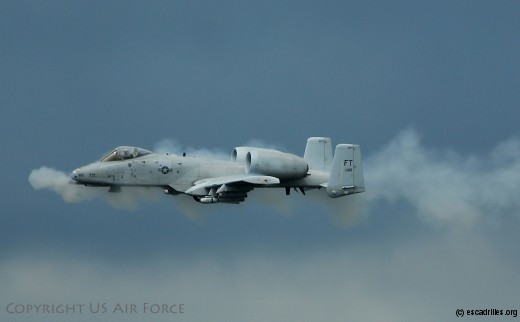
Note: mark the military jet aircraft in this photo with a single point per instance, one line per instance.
(212, 181)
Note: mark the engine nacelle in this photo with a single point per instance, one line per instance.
(239, 154)
(275, 163)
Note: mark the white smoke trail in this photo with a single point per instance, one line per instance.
(258, 143)
(173, 146)
(274, 198)
(440, 186)
(345, 211)
(444, 186)
(58, 181)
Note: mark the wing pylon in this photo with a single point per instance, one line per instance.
(228, 189)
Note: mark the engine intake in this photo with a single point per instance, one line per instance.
(239, 154)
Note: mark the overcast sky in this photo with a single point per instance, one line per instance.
(428, 89)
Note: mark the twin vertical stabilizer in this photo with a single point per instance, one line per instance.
(345, 167)
(346, 176)
(318, 153)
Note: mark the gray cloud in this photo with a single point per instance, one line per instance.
(425, 278)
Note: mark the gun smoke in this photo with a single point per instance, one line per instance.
(58, 181)
(441, 186)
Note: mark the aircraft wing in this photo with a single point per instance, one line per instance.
(228, 188)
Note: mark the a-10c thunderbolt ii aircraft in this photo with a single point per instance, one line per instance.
(211, 181)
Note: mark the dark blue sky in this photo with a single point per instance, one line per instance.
(435, 231)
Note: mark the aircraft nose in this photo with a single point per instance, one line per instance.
(74, 175)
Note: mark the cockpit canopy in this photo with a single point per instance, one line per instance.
(124, 153)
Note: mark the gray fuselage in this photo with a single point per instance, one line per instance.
(172, 171)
